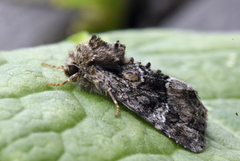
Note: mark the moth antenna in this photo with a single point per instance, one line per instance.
(68, 80)
(114, 101)
(53, 66)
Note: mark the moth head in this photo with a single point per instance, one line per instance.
(70, 70)
(73, 63)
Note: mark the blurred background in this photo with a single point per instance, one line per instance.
(27, 23)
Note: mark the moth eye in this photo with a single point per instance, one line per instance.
(72, 70)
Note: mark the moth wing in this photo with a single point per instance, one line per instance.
(170, 105)
(186, 116)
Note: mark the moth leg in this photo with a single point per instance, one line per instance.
(114, 101)
(53, 66)
(68, 80)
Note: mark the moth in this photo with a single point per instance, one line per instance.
(169, 104)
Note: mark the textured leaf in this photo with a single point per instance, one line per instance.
(64, 123)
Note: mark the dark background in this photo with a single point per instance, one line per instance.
(26, 23)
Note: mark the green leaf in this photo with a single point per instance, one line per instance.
(64, 123)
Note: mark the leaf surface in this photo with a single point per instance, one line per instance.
(64, 123)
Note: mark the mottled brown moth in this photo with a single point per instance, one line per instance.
(170, 105)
